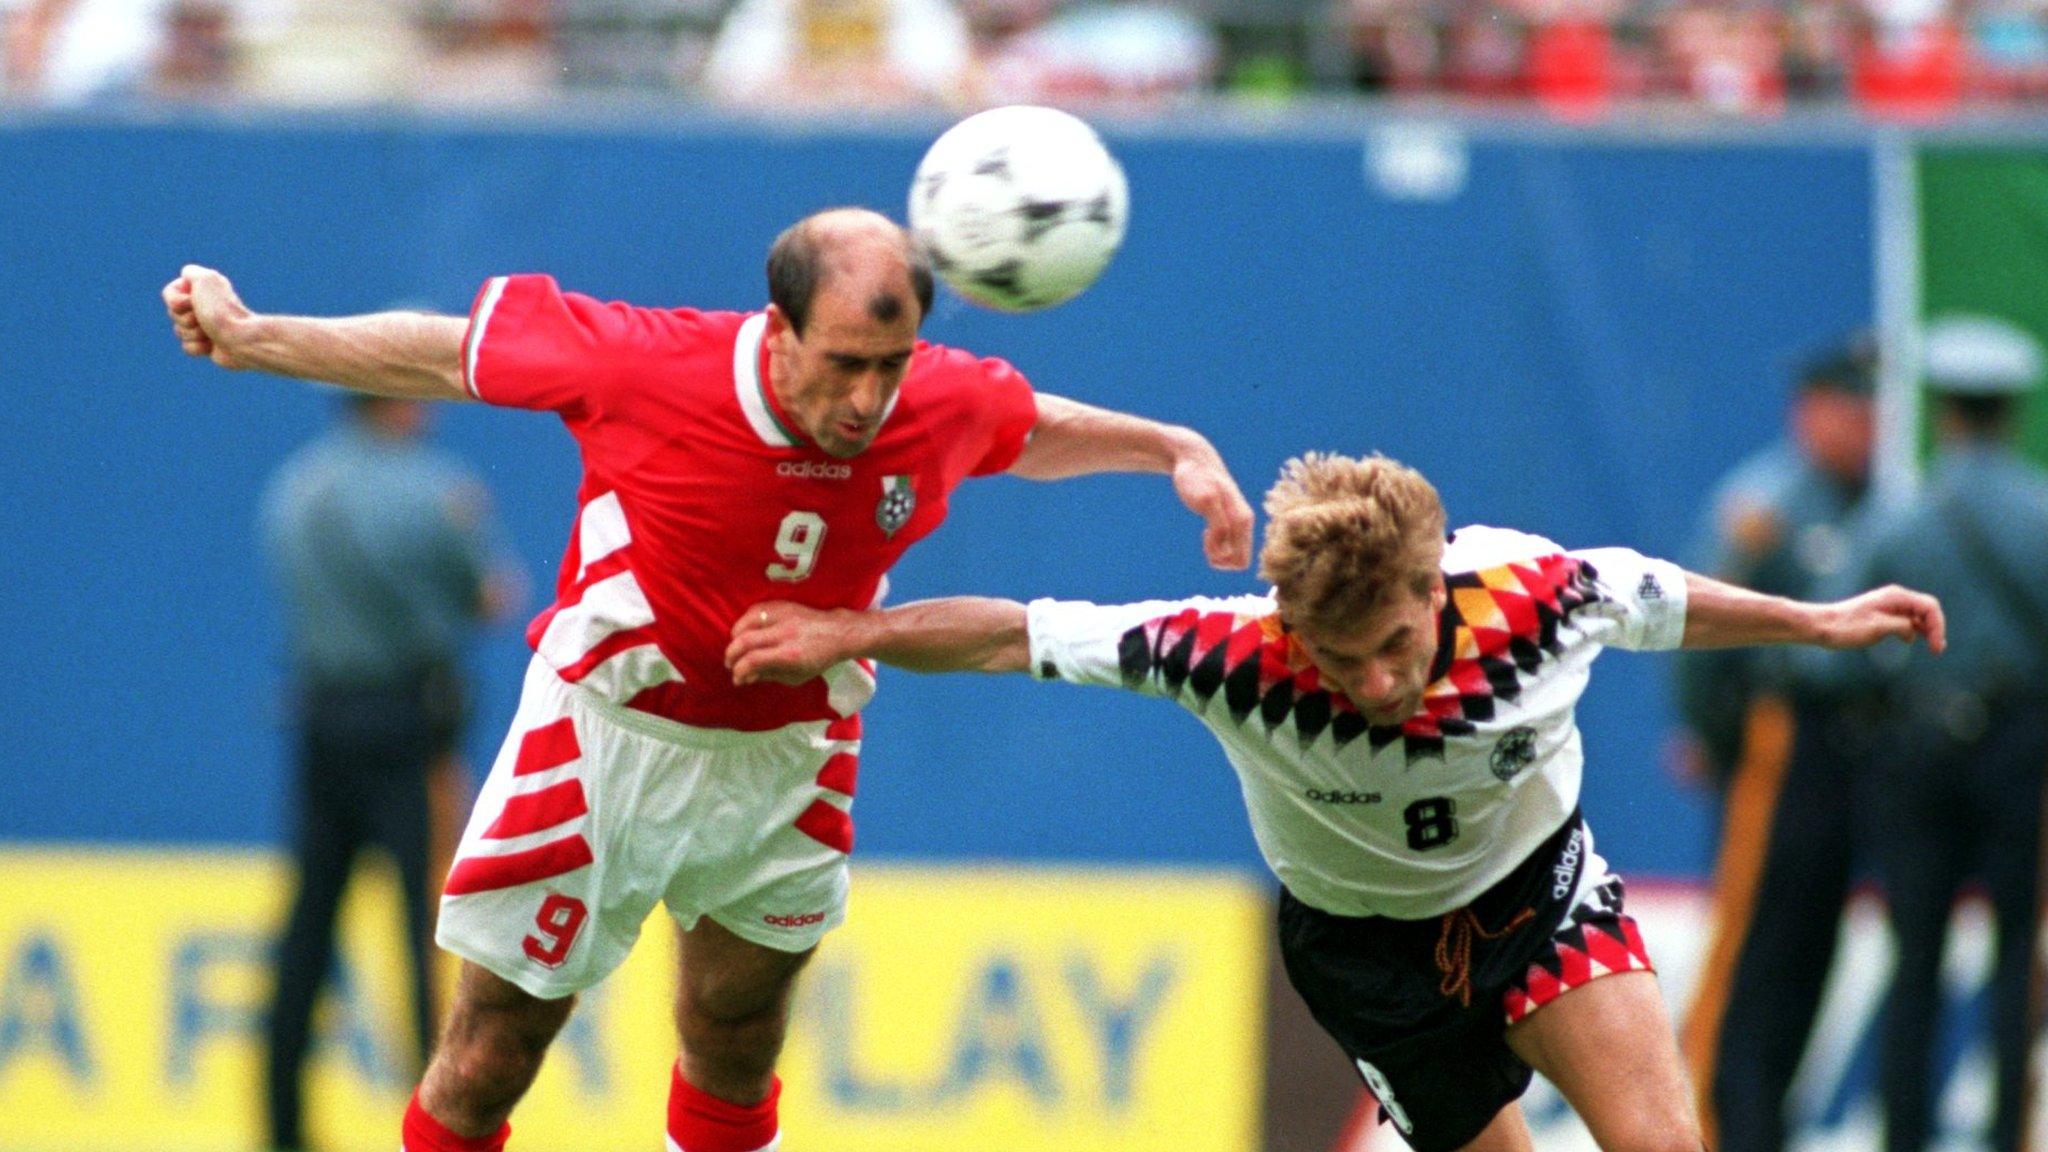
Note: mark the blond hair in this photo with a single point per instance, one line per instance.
(1345, 536)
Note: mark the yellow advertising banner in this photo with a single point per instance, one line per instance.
(998, 1010)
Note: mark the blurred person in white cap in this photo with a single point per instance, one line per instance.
(845, 53)
(1956, 789)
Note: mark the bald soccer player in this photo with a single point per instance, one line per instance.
(728, 459)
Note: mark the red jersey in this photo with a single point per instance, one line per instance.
(699, 500)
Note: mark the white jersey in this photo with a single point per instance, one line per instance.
(1410, 820)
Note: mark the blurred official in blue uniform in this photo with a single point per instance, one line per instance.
(1956, 793)
(1781, 753)
(385, 553)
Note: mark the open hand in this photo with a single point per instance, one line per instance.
(1890, 611)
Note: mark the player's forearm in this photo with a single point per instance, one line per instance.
(1719, 615)
(409, 354)
(958, 634)
(1075, 439)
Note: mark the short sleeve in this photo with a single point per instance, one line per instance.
(531, 345)
(1639, 603)
(1110, 644)
(1010, 409)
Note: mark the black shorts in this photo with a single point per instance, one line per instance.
(1422, 1007)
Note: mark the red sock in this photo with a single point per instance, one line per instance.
(423, 1133)
(701, 1122)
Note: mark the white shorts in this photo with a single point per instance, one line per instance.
(593, 812)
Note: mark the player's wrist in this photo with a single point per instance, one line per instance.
(857, 635)
(1815, 623)
(240, 335)
(1185, 446)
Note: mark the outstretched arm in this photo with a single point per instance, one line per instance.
(790, 644)
(1721, 615)
(409, 354)
(1074, 439)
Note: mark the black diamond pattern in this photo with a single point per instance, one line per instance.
(1168, 648)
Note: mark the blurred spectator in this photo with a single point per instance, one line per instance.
(2010, 42)
(1726, 59)
(1484, 48)
(1783, 753)
(1956, 796)
(1392, 47)
(385, 552)
(196, 58)
(332, 52)
(75, 51)
(1105, 51)
(1819, 41)
(1911, 62)
(634, 45)
(1571, 62)
(860, 53)
(485, 52)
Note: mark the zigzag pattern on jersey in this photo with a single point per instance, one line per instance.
(1496, 628)
(1498, 624)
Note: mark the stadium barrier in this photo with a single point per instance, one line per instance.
(1004, 1010)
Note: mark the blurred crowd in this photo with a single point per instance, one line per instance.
(1574, 58)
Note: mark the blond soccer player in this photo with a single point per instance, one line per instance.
(1399, 709)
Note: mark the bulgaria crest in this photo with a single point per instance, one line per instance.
(899, 501)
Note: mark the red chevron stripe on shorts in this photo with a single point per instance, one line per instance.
(840, 773)
(828, 824)
(549, 746)
(490, 873)
(530, 812)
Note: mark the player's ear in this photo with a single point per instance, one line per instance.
(779, 327)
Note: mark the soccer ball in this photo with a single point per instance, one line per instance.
(1019, 208)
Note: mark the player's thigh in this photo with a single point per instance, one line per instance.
(726, 977)
(1607, 1046)
(584, 819)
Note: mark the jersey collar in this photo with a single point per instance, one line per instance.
(750, 381)
(751, 385)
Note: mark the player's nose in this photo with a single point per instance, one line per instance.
(864, 403)
(1377, 684)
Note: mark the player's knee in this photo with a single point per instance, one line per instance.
(733, 1002)
(741, 1036)
(733, 1024)
(493, 1047)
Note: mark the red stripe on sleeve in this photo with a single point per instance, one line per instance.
(844, 728)
(828, 825)
(840, 773)
(490, 873)
(549, 746)
(530, 812)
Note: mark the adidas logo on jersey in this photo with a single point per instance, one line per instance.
(814, 470)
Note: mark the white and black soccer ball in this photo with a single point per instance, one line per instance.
(1019, 208)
